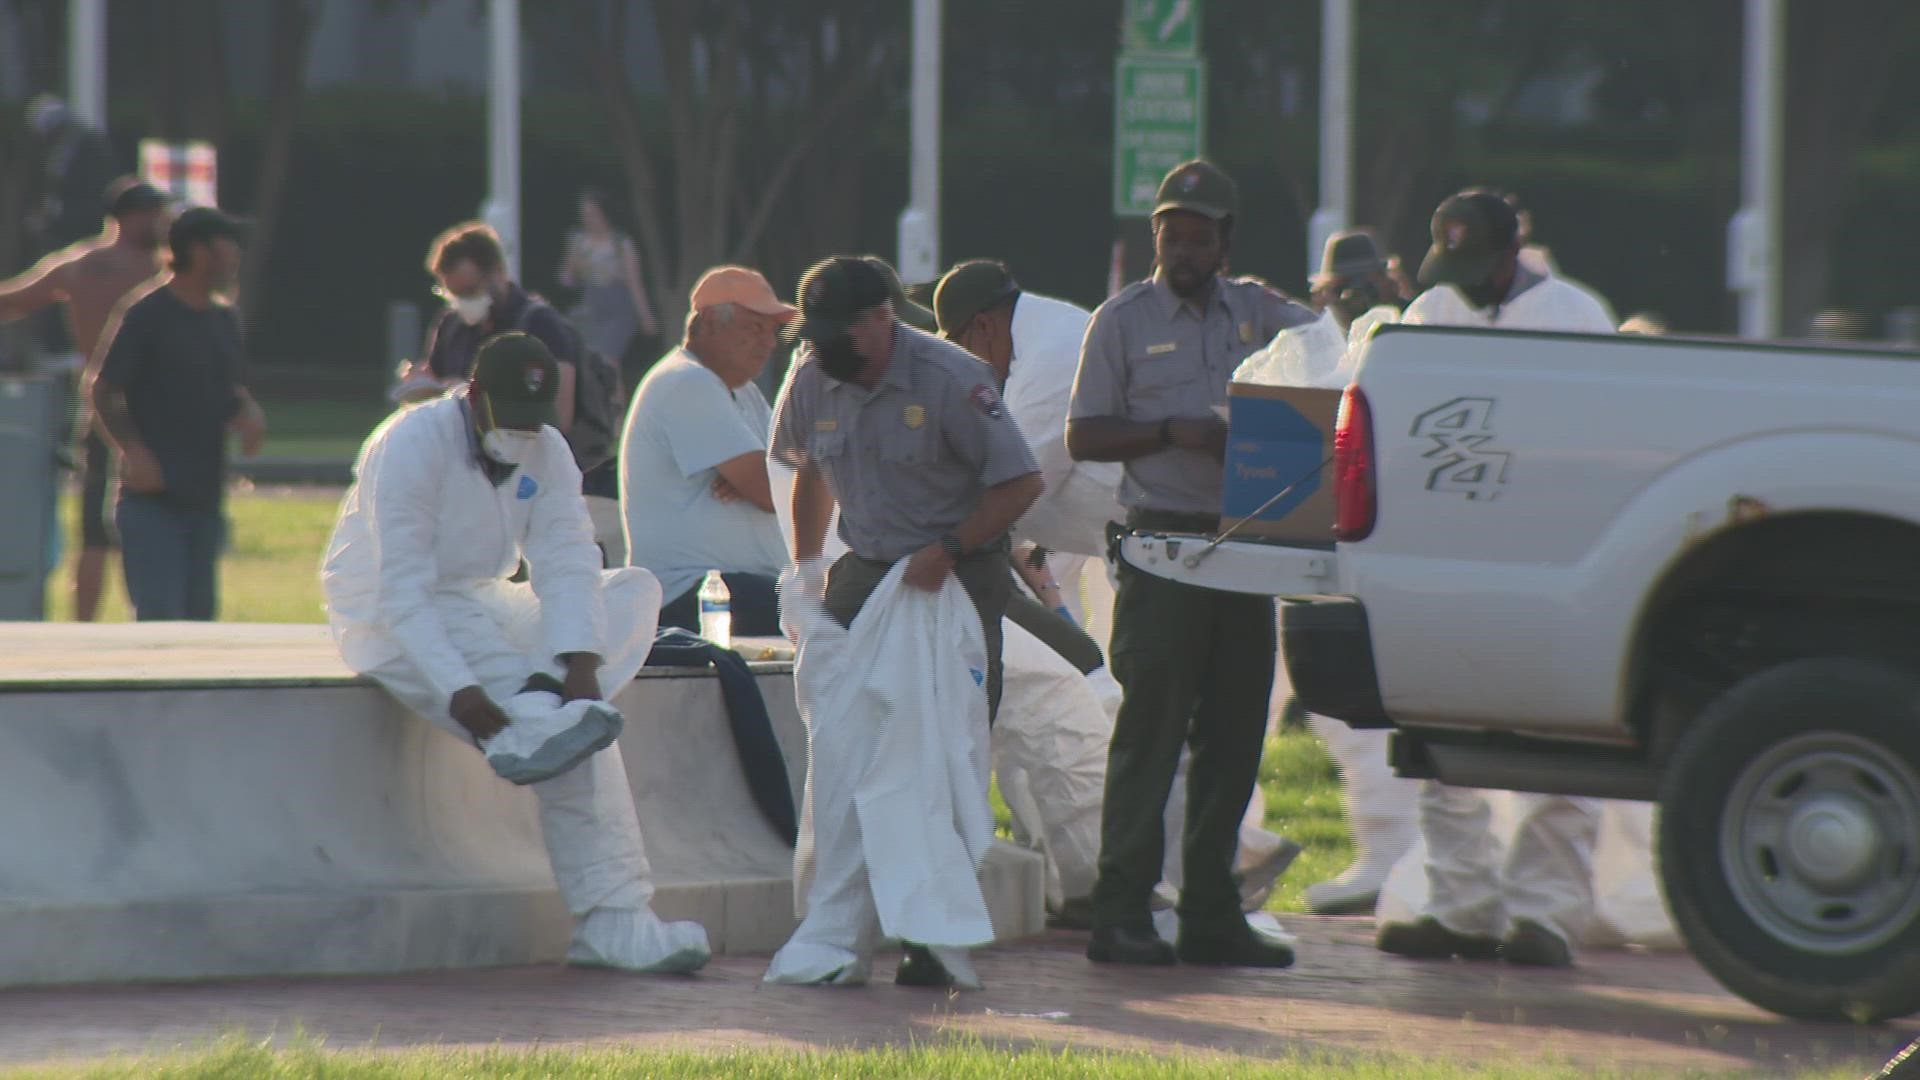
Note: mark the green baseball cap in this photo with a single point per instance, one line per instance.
(969, 289)
(904, 308)
(1471, 231)
(1198, 186)
(520, 379)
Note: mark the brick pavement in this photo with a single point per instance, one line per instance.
(1631, 1010)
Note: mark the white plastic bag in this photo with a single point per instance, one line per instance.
(1311, 354)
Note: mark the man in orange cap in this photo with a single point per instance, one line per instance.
(693, 474)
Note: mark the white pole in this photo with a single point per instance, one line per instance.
(1336, 128)
(87, 61)
(503, 120)
(919, 227)
(1756, 242)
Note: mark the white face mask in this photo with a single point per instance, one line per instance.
(508, 447)
(472, 309)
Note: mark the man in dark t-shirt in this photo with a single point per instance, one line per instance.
(168, 393)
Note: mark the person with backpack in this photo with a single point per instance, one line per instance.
(469, 267)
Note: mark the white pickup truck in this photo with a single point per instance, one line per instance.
(1643, 568)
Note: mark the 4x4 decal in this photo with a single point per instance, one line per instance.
(1463, 465)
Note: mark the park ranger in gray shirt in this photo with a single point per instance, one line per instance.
(907, 432)
(1196, 664)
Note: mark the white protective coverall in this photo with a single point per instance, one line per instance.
(1382, 809)
(896, 788)
(417, 596)
(1081, 497)
(1545, 875)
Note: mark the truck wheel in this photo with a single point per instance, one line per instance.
(1790, 840)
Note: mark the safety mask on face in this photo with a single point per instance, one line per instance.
(472, 309)
(837, 357)
(508, 447)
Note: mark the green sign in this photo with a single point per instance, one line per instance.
(1162, 27)
(1159, 121)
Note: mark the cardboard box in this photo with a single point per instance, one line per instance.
(1276, 436)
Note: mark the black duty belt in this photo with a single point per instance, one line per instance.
(1172, 521)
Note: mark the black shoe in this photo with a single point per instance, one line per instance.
(1074, 914)
(1233, 948)
(1533, 945)
(1117, 945)
(919, 967)
(1428, 940)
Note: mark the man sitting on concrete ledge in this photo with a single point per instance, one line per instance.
(448, 497)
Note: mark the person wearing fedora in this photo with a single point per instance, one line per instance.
(1354, 277)
(1196, 664)
(1530, 905)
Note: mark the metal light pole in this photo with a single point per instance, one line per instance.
(503, 127)
(919, 227)
(1336, 128)
(87, 61)
(1753, 239)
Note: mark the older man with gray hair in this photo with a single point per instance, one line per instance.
(693, 476)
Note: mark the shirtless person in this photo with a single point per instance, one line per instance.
(92, 277)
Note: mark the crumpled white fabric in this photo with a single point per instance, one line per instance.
(637, 940)
(1628, 907)
(1050, 755)
(896, 780)
(1311, 354)
(544, 738)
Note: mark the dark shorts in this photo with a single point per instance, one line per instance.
(96, 493)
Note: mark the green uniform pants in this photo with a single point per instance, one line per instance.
(1197, 668)
(983, 574)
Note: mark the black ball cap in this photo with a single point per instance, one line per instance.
(833, 293)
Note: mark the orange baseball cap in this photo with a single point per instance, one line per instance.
(739, 285)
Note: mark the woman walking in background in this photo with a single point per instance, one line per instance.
(602, 264)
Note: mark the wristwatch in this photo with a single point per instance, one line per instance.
(952, 546)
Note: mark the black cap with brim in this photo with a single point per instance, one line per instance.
(520, 379)
(1198, 187)
(1471, 231)
(132, 195)
(198, 224)
(904, 308)
(832, 294)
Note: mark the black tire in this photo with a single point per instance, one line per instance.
(1813, 742)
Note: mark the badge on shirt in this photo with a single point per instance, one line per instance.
(826, 425)
(528, 489)
(915, 416)
(1162, 350)
(987, 400)
(1246, 333)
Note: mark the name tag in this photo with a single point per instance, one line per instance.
(826, 425)
(1162, 350)
(1246, 333)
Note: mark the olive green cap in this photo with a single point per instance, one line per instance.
(1198, 186)
(969, 289)
(520, 379)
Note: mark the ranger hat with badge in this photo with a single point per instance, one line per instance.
(1198, 186)
(520, 380)
(970, 288)
(1471, 232)
(833, 293)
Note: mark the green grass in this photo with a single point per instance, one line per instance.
(320, 429)
(237, 1057)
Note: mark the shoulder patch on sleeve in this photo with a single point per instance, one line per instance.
(987, 400)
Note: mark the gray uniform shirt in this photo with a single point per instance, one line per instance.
(1150, 355)
(908, 460)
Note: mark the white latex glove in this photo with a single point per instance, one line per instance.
(803, 587)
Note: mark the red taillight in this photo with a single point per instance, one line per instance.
(1353, 485)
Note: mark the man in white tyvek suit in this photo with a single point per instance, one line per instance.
(1532, 907)
(448, 497)
(906, 434)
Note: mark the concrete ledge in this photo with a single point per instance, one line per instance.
(193, 830)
